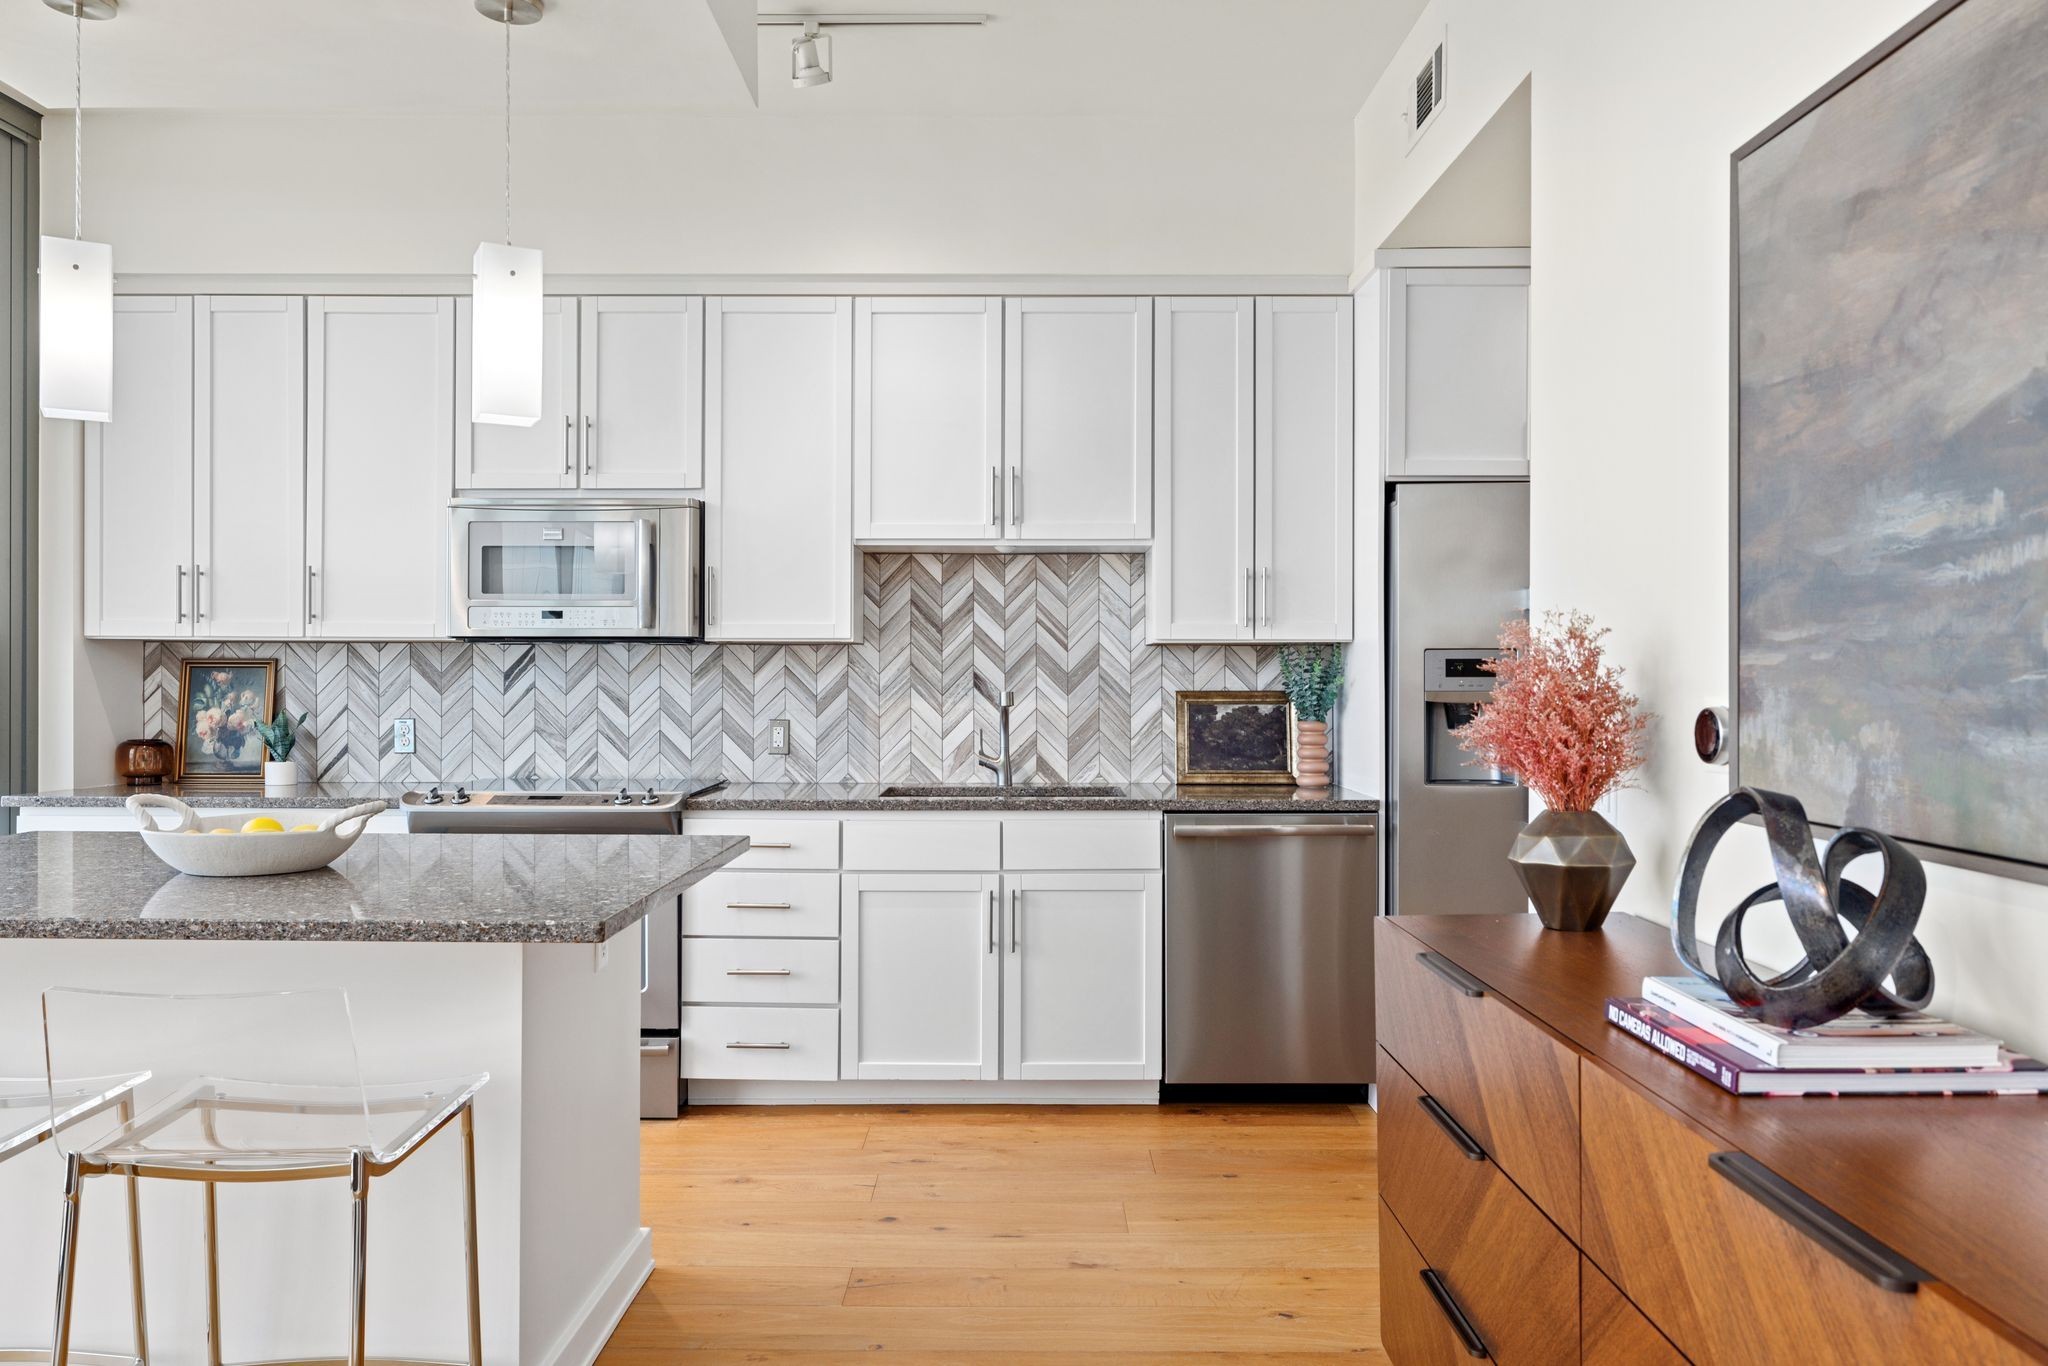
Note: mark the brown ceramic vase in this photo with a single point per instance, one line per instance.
(1312, 754)
(1573, 865)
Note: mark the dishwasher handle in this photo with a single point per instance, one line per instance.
(1254, 832)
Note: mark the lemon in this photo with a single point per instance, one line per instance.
(298, 828)
(262, 825)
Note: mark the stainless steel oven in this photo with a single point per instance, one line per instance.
(533, 568)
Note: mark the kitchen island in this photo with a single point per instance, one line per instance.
(511, 954)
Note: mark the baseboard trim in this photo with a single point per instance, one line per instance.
(923, 1093)
(599, 1314)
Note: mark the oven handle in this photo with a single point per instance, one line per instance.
(645, 597)
(1253, 832)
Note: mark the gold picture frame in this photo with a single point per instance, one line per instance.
(219, 702)
(1233, 738)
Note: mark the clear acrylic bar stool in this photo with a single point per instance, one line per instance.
(245, 1088)
(30, 1114)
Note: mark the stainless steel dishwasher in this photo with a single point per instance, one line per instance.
(1269, 922)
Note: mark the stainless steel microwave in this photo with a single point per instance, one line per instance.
(528, 568)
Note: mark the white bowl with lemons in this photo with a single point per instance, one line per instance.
(244, 845)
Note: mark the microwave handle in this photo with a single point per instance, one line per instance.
(645, 597)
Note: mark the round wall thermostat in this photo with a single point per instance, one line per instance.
(1710, 735)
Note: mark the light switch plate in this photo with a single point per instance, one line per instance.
(402, 736)
(778, 737)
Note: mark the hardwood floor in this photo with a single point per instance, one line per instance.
(1142, 1235)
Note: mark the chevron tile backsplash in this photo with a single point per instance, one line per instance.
(1066, 632)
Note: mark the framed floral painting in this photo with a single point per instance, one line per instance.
(219, 703)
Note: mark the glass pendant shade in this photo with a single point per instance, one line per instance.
(77, 340)
(505, 341)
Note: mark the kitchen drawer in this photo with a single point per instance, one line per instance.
(1613, 1332)
(783, 972)
(1415, 1330)
(761, 1043)
(1730, 1278)
(1080, 843)
(1506, 1080)
(1514, 1274)
(775, 905)
(775, 843)
(921, 845)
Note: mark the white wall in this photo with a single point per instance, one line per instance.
(1635, 111)
(90, 691)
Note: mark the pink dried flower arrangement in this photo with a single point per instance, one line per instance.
(1559, 718)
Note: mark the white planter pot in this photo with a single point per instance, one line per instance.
(280, 777)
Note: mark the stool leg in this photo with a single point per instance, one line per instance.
(359, 1204)
(212, 1226)
(126, 1113)
(67, 1263)
(476, 1321)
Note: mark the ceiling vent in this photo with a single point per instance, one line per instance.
(1426, 95)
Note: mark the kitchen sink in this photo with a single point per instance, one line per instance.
(975, 791)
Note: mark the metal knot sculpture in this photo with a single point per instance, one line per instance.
(1837, 974)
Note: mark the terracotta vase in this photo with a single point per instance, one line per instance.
(1312, 754)
(142, 763)
(1573, 864)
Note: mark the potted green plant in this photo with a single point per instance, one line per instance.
(1313, 676)
(278, 735)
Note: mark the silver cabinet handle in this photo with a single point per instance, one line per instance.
(312, 605)
(991, 920)
(1266, 592)
(1251, 614)
(1016, 497)
(589, 445)
(769, 844)
(655, 1050)
(995, 496)
(1013, 919)
(568, 444)
(199, 592)
(1255, 832)
(181, 592)
(757, 905)
(646, 952)
(710, 595)
(757, 972)
(737, 1044)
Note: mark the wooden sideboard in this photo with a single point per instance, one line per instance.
(1553, 1191)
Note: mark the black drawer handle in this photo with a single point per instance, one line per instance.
(1462, 1326)
(1466, 1143)
(1452, 973)
(1866, 1256)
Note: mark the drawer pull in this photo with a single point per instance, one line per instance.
(1466, 1143)
(1462, 1326)
(757, 1045)
(650, 1049)
(769, 844)
(757, 972)
(1452, 973)
(1866, 1256)
(757, 905)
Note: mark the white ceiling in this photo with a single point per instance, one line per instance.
(1314, 58)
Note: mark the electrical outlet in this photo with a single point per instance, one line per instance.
(778, 737)
(402, 736)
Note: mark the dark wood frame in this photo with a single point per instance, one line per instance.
(1855, 71)
(185, 668)
(1183, 772)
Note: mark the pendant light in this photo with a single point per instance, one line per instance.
(76, 277)
(505, 340)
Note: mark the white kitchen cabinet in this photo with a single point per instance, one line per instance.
(1457, 373)
(1302, 583)
(380, 428)
(491, 455)
(928, 420)
(138, 478)
(1199, 576)
(778, 522)
(1082, 956)
(1077, 420)
(642, 392)
(249, 467)
(919, 976)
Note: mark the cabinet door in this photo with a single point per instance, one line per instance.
(1082, 960)
(1457, 373)
(918, 976)
(1077, 419)
(778, 521)
(138, 478)
(249, 470)
(490, 455)
(642, 393)
(927, 419)
(1198, 578)
(1304, 469)
(380, 432)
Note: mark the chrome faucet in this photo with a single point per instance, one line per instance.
(999, 763)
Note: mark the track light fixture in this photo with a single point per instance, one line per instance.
(810, 53)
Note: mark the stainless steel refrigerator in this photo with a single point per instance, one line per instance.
(1457, 567)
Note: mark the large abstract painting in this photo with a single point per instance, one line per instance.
(1891, 259)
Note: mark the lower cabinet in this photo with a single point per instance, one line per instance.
(1081, 977)
(919, 976)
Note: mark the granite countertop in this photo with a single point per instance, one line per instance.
(428, 889)
(742, 796)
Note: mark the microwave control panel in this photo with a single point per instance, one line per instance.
(624, 618)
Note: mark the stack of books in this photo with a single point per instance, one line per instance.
(1694, 1023)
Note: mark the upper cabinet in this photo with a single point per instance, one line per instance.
(249, 467)
(1077, 420)
(1254, 500)
(1456, 377)
(138, 478)
(778, 518)
(491, 455)
(928, 420)
(380, 428)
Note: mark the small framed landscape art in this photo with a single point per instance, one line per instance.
(219, 703)
(1234, 737)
